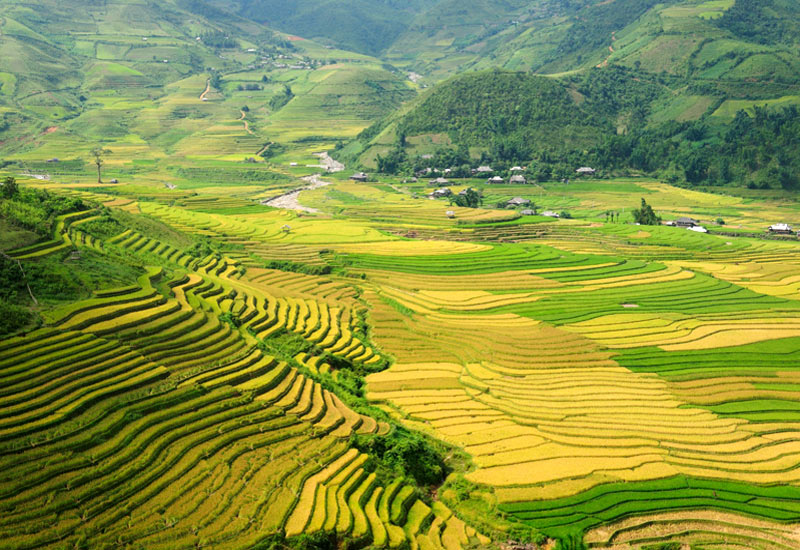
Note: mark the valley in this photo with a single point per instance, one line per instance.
(262, 289)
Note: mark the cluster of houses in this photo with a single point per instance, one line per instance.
(516, 177)
(517, 202)
(694, 225)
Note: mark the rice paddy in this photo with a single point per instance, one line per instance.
(609, 384)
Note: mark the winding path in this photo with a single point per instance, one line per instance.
(205, 92)
(246, 125)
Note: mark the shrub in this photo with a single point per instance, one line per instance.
(103, 227)
(404, 453)
(663, 546)
(13, 317)
(296, 267)
(10, 188)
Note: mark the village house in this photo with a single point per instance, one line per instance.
(550, 214)
(683, 222)
(527, 212)
(517, 169)
(440, 193)
(483, 170)
(361, 176)
(495, 179)
(517, 178)
(781, 229)
(686, 222)
(518, 201)
(439, 181)
(585, 171)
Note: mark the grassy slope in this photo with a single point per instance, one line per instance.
(76, 78)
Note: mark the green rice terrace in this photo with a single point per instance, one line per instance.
(202, 370)
(217, 332)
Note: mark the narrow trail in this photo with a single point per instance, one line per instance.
(246, 124)
(208, 89)
(610, 51)
(267, 146)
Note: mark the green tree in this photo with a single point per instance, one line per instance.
(645, 215)
(99, 153)
(10, 187)
(393, 162)
(470, 199)
(216, 81)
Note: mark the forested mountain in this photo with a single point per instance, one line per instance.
(367, 26)
(653, 86)
(603, 119)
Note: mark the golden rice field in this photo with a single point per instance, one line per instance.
(608, 386)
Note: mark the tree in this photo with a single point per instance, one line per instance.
(645, 215)
(470, 199)
(10, 187)
(215, 81)
(393, 162)
(98, 153)
(787, 179)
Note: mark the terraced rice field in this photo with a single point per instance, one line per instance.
(610, 386)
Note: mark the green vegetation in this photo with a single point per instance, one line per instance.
(187, 361)
(508, 112)
(766, 22)
(406, 454)
(645, 215)
(34, 209)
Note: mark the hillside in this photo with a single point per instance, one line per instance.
(692, 38)
(513, 116)
(186, 79)
(216, 333)
(607, 118)
(653, 86)
(366, 26)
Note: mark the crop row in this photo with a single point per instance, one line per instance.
(207, 460)
(700, 528)
(62, 237)
(345, 498)
(616, 501)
